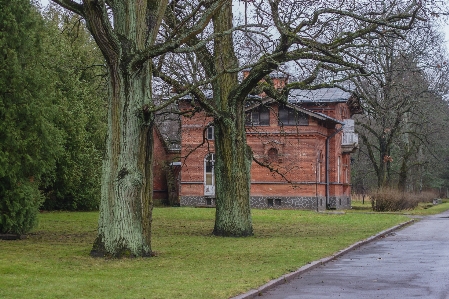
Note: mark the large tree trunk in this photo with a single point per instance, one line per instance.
(384, 169)
(233, 157)
(124, 227)
(232, 174)
(402, 182)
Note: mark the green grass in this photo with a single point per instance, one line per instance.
(54, 262)
(429, 209)
(423, 209)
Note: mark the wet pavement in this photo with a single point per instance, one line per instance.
(410, 263)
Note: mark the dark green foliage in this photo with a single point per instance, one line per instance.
(77, 68)
(19, 206)
(29, 141)
(52, 114)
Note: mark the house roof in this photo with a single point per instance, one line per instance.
(168, 126)
(317, 115)
(208, 93)
(328, 95)
(168, 123)
(322, 95)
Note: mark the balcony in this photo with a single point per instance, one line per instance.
(350, 140)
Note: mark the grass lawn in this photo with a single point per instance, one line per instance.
(54, 262)
(423, 209)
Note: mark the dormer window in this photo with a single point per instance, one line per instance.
(291, 117)
(259, 116)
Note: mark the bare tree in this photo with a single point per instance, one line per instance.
(321, 38)
(127, 34)
(406, 78)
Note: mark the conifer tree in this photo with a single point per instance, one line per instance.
(29, 140)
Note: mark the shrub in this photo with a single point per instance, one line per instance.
(393, 200)
(19, 207)
(426, 196)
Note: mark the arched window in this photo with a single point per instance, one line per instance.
(273, 155)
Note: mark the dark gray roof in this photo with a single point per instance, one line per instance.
(209, 94)
(168, 125)
(314, 114)
(297, 107)
(278, 74)
(329, 95)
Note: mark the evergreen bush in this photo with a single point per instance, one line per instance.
(19, 206)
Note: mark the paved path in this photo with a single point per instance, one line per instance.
(412, 262)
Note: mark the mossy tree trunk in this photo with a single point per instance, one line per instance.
(232, 175)
(233, 156)
(124, 227)
(126, 31)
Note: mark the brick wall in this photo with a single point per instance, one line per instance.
(296, 152)
(162, 157)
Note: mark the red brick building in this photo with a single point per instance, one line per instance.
(301, 152)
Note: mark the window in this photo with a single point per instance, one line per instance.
(273, 155)
(209, 179)
(210, 133)
(338, 169)
(291, 117)
(259, 116)
(271, 202)
(209, 169)
(318, 171)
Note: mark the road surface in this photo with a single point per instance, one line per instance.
(409, 263)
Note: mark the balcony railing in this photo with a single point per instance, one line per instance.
(350, 140)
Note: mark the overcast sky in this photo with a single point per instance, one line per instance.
(446, 29)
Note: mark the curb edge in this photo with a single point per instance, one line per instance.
(312, 265)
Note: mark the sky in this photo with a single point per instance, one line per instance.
(445, 29)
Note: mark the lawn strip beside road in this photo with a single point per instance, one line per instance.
(54, 262)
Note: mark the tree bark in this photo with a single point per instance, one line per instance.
(126, 32)
(124, 227)
(233, 156)
(232, 174)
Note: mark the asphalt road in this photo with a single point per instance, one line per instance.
(409, 263)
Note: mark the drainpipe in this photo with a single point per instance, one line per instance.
(317, 164)
(327, 163)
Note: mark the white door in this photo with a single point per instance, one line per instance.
(209, 177)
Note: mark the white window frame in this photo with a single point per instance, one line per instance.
(318, 170)
(338, 168)
(209, 190)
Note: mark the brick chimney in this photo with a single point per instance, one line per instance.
(279, 79)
